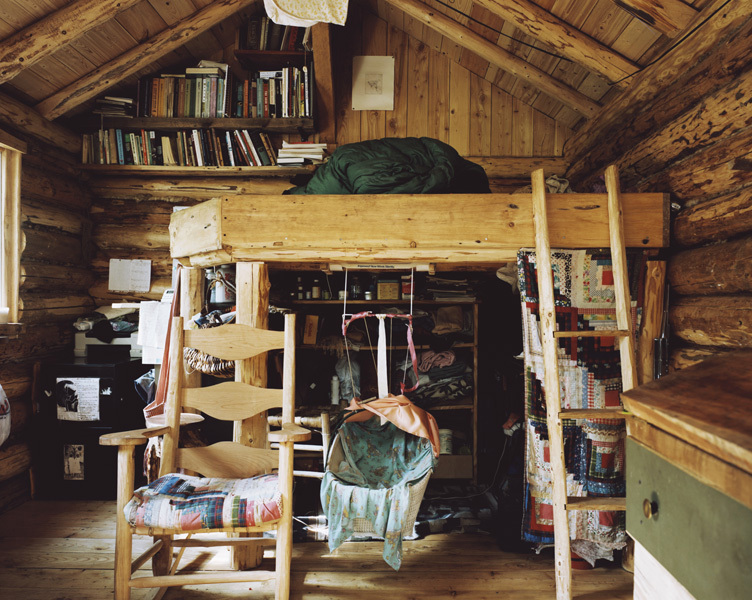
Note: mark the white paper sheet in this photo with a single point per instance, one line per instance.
(129, 275)
(77, 398)
(373, 83)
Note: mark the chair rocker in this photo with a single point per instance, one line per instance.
(235, 491)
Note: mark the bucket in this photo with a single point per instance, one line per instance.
(445, 441)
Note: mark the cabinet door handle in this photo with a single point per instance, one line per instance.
(649, 509)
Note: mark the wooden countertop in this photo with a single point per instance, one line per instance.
(708, 405)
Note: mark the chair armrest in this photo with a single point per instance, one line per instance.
(134, 437)
(290, 433)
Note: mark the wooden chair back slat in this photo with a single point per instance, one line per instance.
(234, 341)
(232, 400)
(228, 459)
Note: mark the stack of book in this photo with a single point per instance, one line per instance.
(449, 288)
(115, 106)
(300, 153)
(282, 93)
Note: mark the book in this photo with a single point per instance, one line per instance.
(251, 148)
(230, 153)
(275, 34)
(168, 156)
(197, 148)
(269, 147)
(120, 147)
(261, 152)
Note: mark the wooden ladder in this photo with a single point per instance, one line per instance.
(549, 336)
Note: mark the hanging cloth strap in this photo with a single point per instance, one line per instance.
(381, 348)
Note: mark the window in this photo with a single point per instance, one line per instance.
(10, 214)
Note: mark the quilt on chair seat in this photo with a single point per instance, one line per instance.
(186, 503)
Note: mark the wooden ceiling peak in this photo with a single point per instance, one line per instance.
(562, 37)
(670, 17)
(501, 58)
(48, 35)
(139, 57)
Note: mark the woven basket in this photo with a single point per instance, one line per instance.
(207, 364)
(417, 489)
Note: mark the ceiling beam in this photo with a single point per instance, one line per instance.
(670, 17)
(40, 39)
(562, 37)
(499, 57)
(137, 58)
(18, 116)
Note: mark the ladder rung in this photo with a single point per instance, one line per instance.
(593, 333)
(593, 413)
(596, 503)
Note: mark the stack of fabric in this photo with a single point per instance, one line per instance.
(442, 378)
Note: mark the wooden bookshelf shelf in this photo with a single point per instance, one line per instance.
(282, 125)
(159, 170)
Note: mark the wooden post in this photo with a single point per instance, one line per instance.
(652, 317)
(322, 58)
(126, 471)
(563, 562)
(252, 300)
(191, 302)
(621, 280)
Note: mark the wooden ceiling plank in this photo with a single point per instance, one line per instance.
(562, 37)
(137, 58)
(670, 17)
(498, 56)
(46, 36)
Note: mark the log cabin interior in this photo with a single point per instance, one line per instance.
(637, 111)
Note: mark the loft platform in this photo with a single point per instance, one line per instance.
(462, 230)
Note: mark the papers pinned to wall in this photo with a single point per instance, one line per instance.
(373, 83)
(129, 275)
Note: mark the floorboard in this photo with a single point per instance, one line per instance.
(65, 550)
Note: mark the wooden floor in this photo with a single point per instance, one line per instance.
(64, 551)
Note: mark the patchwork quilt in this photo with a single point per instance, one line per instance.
(590, 377)
(187, 503)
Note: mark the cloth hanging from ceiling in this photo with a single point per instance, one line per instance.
(308, 13)
(590, 376)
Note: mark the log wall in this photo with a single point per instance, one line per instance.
(55, 277)
(690, 135)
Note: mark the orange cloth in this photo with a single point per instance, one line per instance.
(403, 413)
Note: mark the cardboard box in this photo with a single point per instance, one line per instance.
(311, 329)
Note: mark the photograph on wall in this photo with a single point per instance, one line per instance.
(77, 398)
(373, 83)
(73, 462)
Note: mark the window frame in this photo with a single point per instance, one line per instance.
(11, 150)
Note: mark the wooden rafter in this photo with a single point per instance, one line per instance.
(19, 116)
(138, 58)
(40, 39)
(562, 37)
(499, 57)
(670, 17)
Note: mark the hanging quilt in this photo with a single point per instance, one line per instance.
(590, 377)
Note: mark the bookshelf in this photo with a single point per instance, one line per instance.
(166, 171)
(288, 125)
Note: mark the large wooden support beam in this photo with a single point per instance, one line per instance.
(499, 57)
(325, 106)
(670, 17)
(720, 115)
(520, 166)
(720, 218)
(713, 320)
(457, 228)
(664, 90)
(138, 58)
(20, 117)
(724, 268)
(562, 37)
(50, 34)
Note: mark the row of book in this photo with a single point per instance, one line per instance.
(282, 93)
(200, 92)
(261, 33)
(185, 147)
